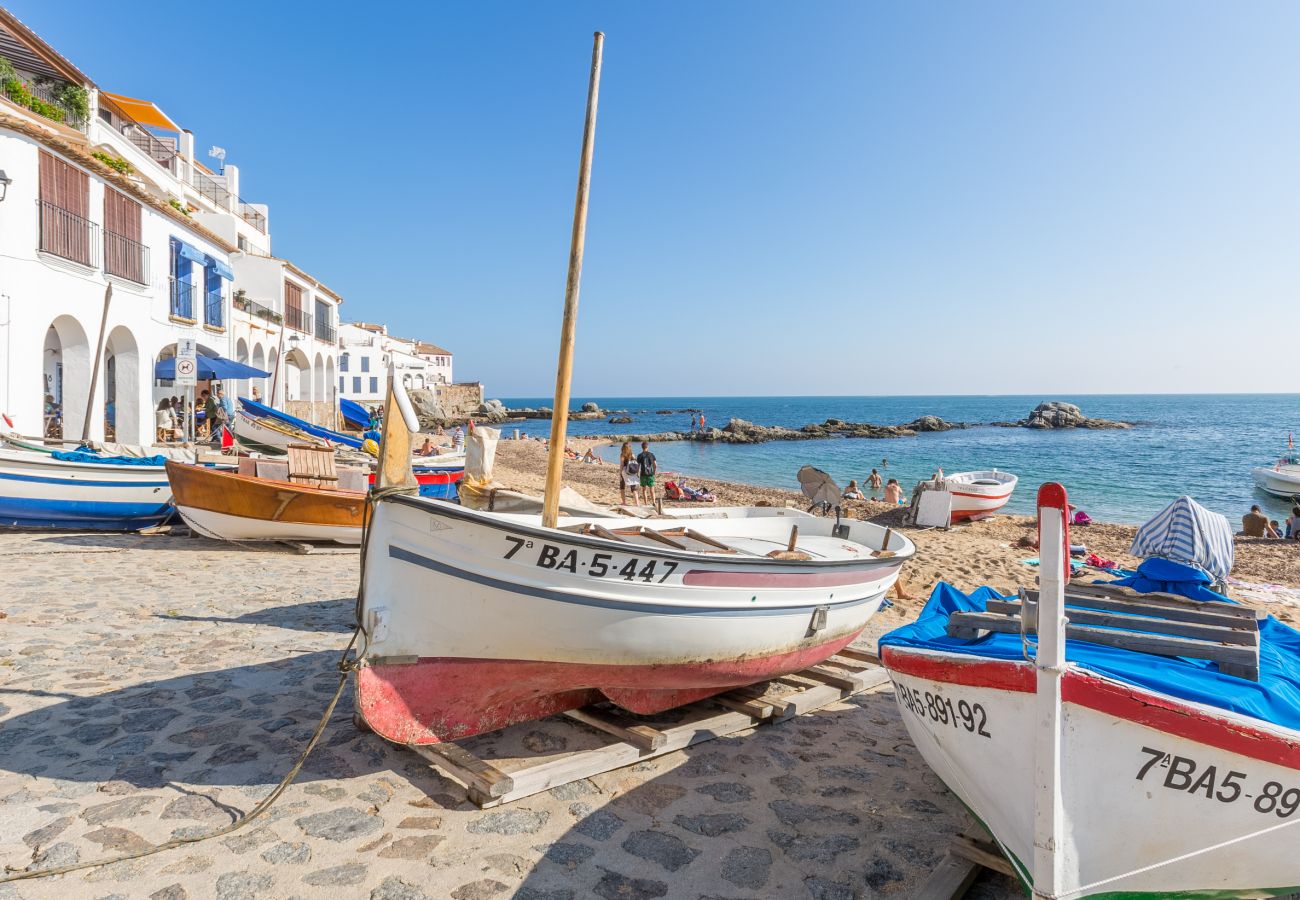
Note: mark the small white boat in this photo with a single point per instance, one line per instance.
(269, 435)
(67, 490)
(978, 494)
(1102, 769)
(1282, 480)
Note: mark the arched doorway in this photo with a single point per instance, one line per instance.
(259, 362)
(319, 392)
(123, 416)
(240, 387)
(65, 386)
(297, 375)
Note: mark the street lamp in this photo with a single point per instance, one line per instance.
(5, 181)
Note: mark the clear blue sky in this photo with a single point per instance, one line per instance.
(824, 198)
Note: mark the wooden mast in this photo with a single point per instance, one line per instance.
(564, 373)
(99, 357)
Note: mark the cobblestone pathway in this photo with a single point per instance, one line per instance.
(152, 687)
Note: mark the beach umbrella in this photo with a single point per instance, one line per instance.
(210, 367)
(818, 487)
(1188, 533)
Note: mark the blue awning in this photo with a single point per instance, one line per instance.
(210, 367)
(192, 253)
(222, 270)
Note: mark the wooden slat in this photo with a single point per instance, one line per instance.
(965, 624)
(621, 727)
(471, 770)
(1171, 603)
(756, 707)
(982, 852)
(1243, 633)
(656, 536)
(950, 880)
(865, 656)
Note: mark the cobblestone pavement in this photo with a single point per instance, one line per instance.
(152, 687)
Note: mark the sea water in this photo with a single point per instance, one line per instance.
(1200, 445)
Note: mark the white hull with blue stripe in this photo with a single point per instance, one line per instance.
(39, 491)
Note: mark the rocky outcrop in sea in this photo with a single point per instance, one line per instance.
(1059, 414)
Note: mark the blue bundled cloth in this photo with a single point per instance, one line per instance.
(1274, 698)
(78, 456)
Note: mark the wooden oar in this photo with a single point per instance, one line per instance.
(564, 373)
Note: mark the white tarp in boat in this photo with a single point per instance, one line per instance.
(478, 491)
(1188, 533)
(135, 451)
(481, 453)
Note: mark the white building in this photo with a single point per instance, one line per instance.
(367, 350)
(101, 189)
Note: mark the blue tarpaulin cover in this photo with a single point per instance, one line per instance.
(253, 408)
(210, 367)
(354, 413)
(78, 456)
(1274, 698)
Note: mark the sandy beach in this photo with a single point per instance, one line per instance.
(967, 556)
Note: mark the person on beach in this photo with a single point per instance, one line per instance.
(875, 481)
(629, 472)
(851, 492)
(701, 421)
(427, 448)
(590, 457)
(1277, 529)
(458, 438)
(1256, 524)
(1293, 524)
(694, 422)
(257, 394)
(649, 467)
(894, 492)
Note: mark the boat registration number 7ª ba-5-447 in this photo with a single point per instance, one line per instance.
(1183, 773)
(597, 565)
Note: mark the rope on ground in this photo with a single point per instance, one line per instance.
(345, 666)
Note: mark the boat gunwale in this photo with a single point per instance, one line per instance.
(455, 511)
(304, 488)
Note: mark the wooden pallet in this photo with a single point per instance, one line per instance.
(968, 855)
(494, 771)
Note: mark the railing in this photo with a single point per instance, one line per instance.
(126, 258)
(214, 309)
(209, 187)
(67, 234)
(297, 319)
(159, 151)
(325, 332)
(182, 294)
(258, 310)
(51, 105)
(252, 216)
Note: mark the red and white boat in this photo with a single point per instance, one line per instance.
(1113, 772)
(978, 494)
(476, 620)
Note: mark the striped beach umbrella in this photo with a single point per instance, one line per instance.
(1188, 533)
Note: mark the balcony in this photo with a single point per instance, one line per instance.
(126, 258)
(67, 234)
(160, 151)
(252, 217)
(297, 319)
(326, 332)
(182, 300)
(209, 187)
(58, 101)
(257, 310)
(214, 309)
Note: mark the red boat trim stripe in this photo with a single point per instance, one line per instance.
(982, 496)
(715, 578)
(686, 609)
(1118, 700)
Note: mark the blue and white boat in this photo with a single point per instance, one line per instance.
(82, 491)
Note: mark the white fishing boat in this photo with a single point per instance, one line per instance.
(978, 494)
(268, 435)
(1149, 748)
(1282, 479)
(475, 619)
(69, 490)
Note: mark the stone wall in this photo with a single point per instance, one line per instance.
(460, 401)
(318, 412)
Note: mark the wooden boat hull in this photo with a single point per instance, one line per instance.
(38, 491)
(233, 507)
(478, 620)
(1147, 778)
(269, 437)
(972, 498)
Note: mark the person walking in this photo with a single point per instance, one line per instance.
(649, 467)
(629, 473)
(458, 439)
